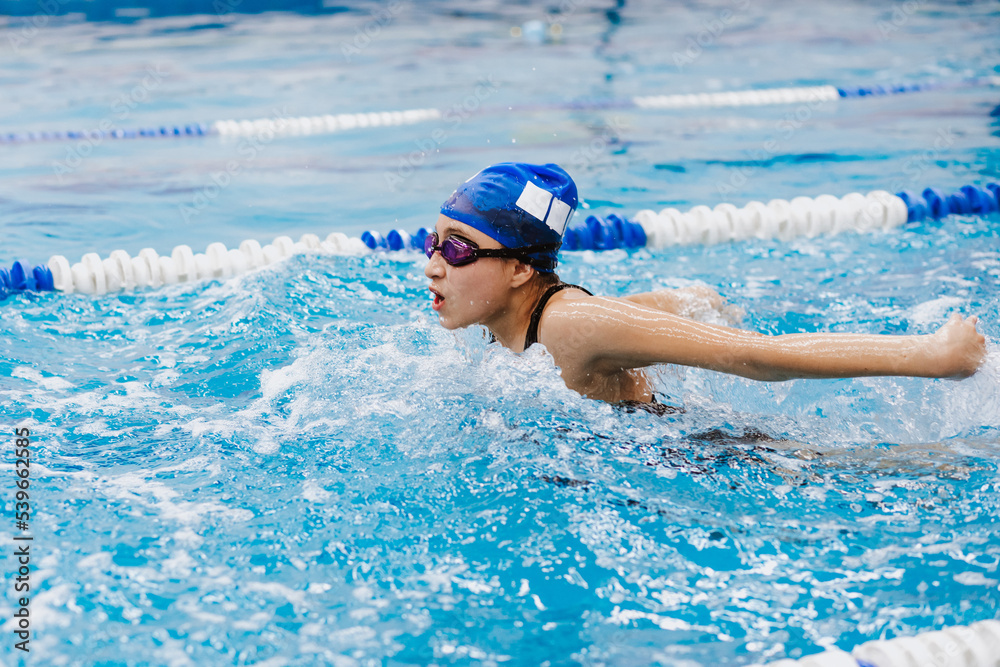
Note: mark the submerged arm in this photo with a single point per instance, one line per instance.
(614, 335)
(696, 301)
(677, 300)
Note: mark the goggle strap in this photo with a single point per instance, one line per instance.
(523, 254)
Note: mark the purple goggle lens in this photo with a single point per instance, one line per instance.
(457, 252)
(452, 250)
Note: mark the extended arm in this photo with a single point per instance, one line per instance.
(613, 334)
(956, 350)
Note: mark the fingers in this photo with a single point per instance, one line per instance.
(956, 318)
(972, 321)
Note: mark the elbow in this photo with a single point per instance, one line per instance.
(752, 361)
(775, 376)
(764, 374)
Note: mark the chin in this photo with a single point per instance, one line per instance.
(448, 323)
(451, 323)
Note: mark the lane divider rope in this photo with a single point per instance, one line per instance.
(326, 124)
(778, 218)
(975, 645)
(119, 271)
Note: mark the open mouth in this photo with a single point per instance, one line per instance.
(438, 300)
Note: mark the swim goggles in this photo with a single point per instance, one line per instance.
(458, 253)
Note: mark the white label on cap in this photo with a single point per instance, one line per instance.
(559, 216)
(534, 200)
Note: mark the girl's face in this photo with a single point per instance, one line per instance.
(475, 293)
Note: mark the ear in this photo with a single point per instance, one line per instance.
(522, 274)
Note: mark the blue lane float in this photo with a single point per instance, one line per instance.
(802, 216)
(22, 277)
(329, 123)
(195, 130)
(778, 218)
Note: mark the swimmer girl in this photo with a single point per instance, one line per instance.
(492, 259)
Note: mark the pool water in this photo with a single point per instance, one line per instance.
(299, 466)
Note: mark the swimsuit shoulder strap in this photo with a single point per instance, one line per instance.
(532, 336)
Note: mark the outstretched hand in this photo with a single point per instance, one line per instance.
(959, 347)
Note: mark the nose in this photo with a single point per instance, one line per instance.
(435, 266)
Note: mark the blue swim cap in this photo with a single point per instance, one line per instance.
(520, 206)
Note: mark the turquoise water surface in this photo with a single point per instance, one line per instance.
(299, 466)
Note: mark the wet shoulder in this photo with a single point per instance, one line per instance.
(564, 320)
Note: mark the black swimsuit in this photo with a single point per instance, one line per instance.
(536, 316)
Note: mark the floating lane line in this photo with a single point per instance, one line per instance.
(777, 219)
(330, 123)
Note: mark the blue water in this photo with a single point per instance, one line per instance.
(299, 466)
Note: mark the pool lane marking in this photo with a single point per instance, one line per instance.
(330, 123)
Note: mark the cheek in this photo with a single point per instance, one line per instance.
(478, 287)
